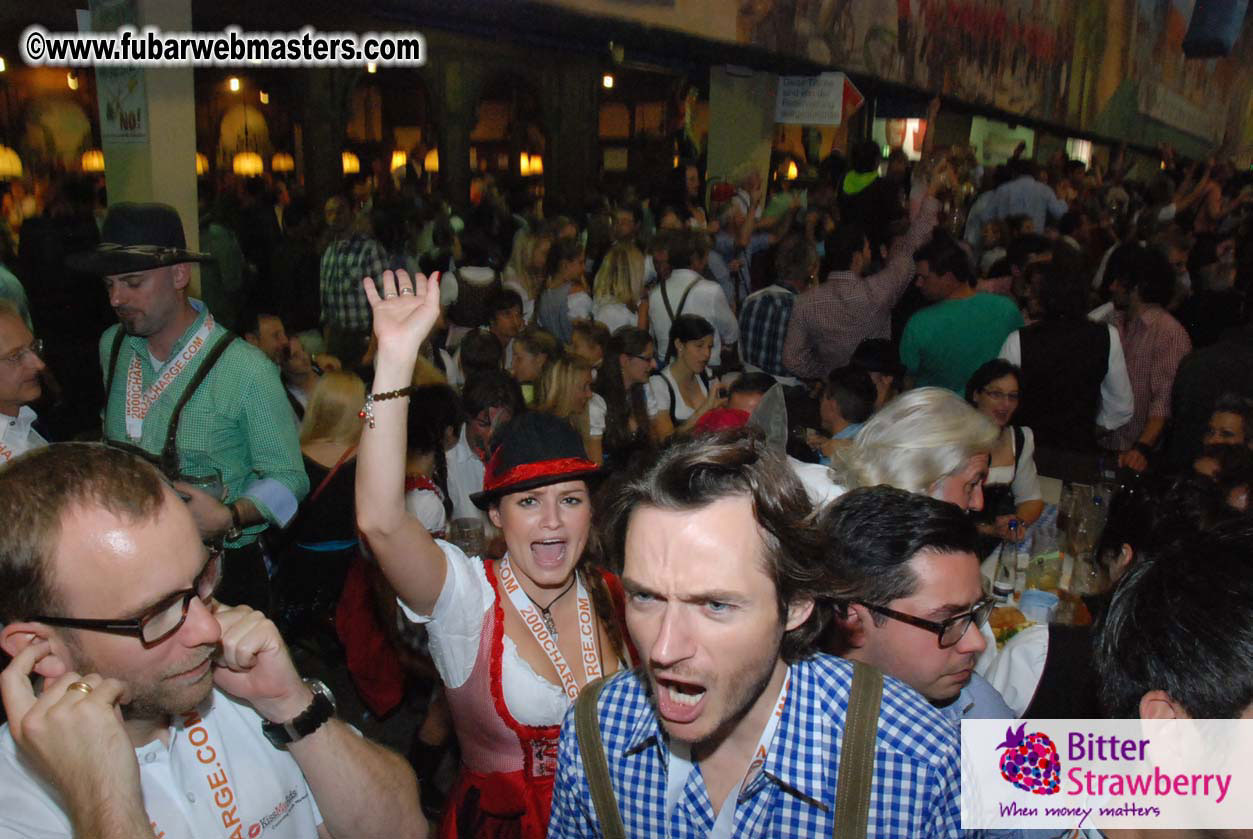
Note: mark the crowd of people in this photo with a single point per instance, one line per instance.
(732, 457)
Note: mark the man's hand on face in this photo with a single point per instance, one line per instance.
(254, 665)
(75, 738)
(213, 518)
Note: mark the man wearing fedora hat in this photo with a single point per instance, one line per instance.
(183, 392)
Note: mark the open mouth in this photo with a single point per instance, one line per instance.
(679, 701)
(550, 553)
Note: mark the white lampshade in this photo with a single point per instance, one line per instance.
(282, 162)
(10, 163)
(93, 160)
(351, 163)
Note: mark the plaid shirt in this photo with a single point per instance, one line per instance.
(1153, 344)
(763, 326)
(831, 320)
(916, 773)
(344, 264)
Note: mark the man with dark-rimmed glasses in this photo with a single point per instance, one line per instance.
(911, 600)
(138, 705)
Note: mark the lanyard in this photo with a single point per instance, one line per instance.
(535, 623)
(680, 769)
(220, 789)
(138, 401)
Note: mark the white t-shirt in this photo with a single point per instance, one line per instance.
(427, 506)
(579, 306)
(455, 627)
(219, 777)
(659, 393)
(465, 477)
(613, 314)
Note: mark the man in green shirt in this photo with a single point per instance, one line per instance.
(946, 342)
(182, 390)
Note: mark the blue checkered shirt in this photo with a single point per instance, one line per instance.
(916, 774)
(344, 263)
(763, 327)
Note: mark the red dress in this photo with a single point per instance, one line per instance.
(506, 784)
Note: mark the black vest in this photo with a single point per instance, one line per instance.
(1063, 365)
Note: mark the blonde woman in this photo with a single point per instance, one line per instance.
(322, 539)
(565, 391)
(525, 271)
(619, 286)
(533, 351)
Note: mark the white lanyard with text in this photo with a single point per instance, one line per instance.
(220, 790)
(680, 768)
(139, 401)
(530, 615)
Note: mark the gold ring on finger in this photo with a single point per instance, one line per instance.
(406, 291)
(81, 687)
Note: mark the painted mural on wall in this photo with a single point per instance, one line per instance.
(1067, 61)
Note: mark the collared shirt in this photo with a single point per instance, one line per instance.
(916, 773)
(1117, 399)
(1153, 343)
(17, 434)
(763, 328)
(344, 264)
(238, 421)
(218, 777)
(946, 342)
(706, 299)
(1025, 196)
(828, 322)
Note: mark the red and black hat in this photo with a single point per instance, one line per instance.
(534, 450)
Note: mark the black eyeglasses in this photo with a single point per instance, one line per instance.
(647, 359)
(949, 631)
(162, 620)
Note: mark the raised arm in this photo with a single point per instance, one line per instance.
(409, 557)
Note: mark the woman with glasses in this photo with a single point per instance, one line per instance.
(622, 413)
(1012, 490)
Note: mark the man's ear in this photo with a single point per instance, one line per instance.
(852, 622)
(1159, 705)
(19, 635)
(798, 611)
(252, 338)
(182, 275)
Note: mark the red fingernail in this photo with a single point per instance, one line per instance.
(438, 275)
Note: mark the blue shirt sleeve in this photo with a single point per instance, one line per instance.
(571, 812)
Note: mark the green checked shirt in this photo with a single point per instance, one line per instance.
(238, 422)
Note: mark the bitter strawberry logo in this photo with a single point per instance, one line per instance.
(1030, 762)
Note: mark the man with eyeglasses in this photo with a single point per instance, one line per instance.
(21, 364)
(154, 710)
(911, 597)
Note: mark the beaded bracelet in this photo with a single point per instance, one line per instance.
(367, 410)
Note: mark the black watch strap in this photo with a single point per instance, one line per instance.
(321, 709)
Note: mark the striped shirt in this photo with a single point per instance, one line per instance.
(344, 264)
(1153, 344)
(916, 773)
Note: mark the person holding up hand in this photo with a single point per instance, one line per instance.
(140, 706)
(516, 638)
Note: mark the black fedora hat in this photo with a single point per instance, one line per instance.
(137, 237)
(534, 450)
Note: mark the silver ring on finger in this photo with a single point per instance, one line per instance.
(389, 296)
(404, 291)
(81, 687)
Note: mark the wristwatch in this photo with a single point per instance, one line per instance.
(237, 527)
(321, 709)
